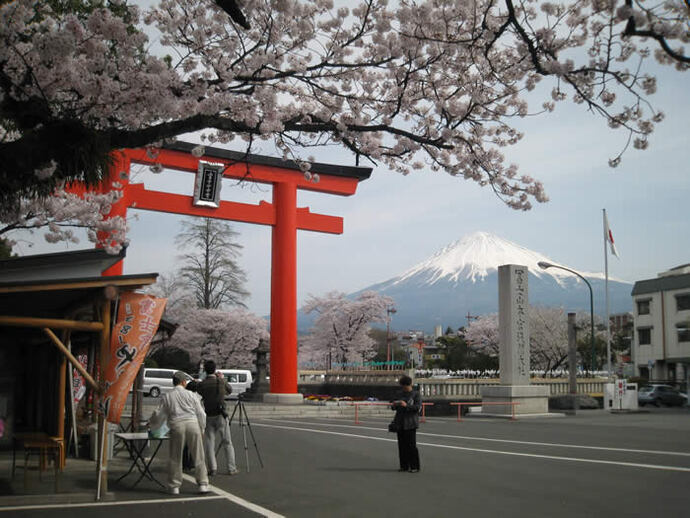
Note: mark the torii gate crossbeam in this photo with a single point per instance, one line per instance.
(282, 214)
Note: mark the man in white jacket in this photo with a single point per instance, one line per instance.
(187, 421)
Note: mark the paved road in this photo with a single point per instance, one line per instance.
(592, 464)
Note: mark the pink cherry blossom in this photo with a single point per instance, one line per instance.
(225, 336)
(340, 329)
(412, 86)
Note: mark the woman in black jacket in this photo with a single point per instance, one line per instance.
(407, 407)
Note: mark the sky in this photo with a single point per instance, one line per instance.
(394, 222)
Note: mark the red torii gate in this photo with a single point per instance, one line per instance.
(282, 214)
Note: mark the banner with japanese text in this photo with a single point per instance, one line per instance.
(78, 381)
(137, 321)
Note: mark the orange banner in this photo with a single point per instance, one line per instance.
(137, 321)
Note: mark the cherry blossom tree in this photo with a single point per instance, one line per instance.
(340, 333)
(481, 334)
(548, 336)
(409, 85)
(234, 11)
(227, 337)
(60, 213)
(548, 329)
(180, 300)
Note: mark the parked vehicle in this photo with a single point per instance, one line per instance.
(240, 380)
(658, 395)
(157, 381)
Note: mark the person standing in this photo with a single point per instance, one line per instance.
(187, 421)
(407, 407)
(213, 390)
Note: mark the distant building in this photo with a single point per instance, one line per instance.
(410, 337)
(438, 331)
(412, 343)
(415, 354)
(433, 353)
(661, 344)
(620, 322)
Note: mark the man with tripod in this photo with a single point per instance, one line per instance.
(213, 390)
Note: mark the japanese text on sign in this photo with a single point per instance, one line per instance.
(521, 321)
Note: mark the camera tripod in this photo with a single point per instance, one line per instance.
(243, 420)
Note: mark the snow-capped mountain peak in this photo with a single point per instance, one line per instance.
(476, 255)
(461, 281)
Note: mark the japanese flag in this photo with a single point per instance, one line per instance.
(608, 236)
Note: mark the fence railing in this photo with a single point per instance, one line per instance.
(372, 376)
(358, 404)
(448, 388)
(470, 389)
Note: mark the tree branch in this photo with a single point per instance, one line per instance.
(233, 10)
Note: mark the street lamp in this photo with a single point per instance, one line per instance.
(544, 265)
(389, 310)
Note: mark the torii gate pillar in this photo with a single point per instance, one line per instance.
(284, 297)
(282, 214)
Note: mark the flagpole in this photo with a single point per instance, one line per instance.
(606, 286)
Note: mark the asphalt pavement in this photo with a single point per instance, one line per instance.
(591, 464)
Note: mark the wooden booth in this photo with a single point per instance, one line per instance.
(56, 312)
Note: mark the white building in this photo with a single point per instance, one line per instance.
(662, 325)
(438, 331)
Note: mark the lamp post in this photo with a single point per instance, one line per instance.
(544, 265)
(389, 310)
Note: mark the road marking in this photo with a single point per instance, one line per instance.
(219, 495)
(238, 500)
(110, 503)
(498, 452)
(510, 441)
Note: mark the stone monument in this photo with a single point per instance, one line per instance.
(513, 336)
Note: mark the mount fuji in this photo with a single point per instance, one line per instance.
(462, 279)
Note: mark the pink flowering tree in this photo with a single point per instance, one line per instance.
(409, 85)
(180, 299)
(481, 334)
(548, 336)
(340, 331)
(59, 214)
(227, 337)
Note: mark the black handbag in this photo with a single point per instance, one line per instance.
(393, 427)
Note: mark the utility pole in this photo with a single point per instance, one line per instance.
(389, 310)
(471, 317)
(572, 360)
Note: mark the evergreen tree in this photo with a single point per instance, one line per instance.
(456, 351)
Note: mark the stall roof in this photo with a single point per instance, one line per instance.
(61, 265)
(57, 284)
(57, 297)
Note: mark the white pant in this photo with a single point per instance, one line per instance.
(214, 425)
(181, 433)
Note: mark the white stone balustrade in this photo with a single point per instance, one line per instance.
(449, 389)
(452, 389)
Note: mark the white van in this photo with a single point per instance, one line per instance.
(240, 380)
(157, 381)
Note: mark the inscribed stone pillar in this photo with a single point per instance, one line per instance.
(514, 395)
(513, 324)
